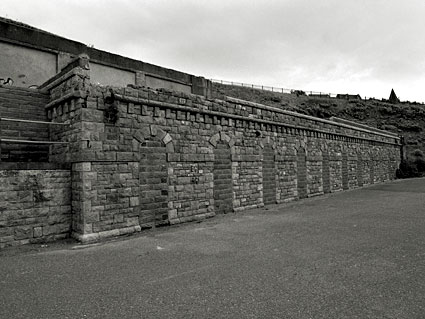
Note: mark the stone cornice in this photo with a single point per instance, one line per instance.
(292, 129)
(364, 128)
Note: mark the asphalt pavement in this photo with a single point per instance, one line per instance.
(354, 254)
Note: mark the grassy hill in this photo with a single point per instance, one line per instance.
(406, 119)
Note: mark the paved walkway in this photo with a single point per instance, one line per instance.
(357, 254)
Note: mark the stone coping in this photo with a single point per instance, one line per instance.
(396, 139)
(346, 124)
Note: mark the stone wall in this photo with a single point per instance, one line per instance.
(24, 104)
(406, 119)
(35, 203)
(146, 158)
(27, 104)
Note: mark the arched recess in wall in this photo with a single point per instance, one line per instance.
(326, 177)
(344, 169)
(371, 167)
(222, 172)
(269, 173)
(153, 144)
(391, 165)
(383, 167)
(301, 172)
(377, 166)
(360, 168)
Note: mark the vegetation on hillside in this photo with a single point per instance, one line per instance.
(413, 166)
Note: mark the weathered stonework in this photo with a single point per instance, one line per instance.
(173, 157)
(222, 185)
(144, 158)
(34, 206)
(24, 104)
(269, 175)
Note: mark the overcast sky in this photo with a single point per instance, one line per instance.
(336, 46)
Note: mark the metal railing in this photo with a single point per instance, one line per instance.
(302, 92)
(275, 89)
(27, 141)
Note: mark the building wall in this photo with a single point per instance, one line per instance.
(106, 75)
(31, 56)
(35, 204)
(156, 83)
(26, 66)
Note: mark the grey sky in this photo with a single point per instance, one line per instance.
(338, 46)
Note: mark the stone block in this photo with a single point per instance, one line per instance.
(5, 239)
(106, 156)
(130, 108)
(132, 221)
(134, 201)
(153, 130)
(214, 139)
(125, 156)
(161, 134)
(173, 157)
(139, 136)
(145, 111)
(87, 228)
(92, 114)
(23, 232)
(86, 206)
(91, 216)
(50, 230)
(224, 137)
(167, 139)
(118, 218)
(82, 167)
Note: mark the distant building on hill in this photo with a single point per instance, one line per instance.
(319, 95)
(349, 96)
